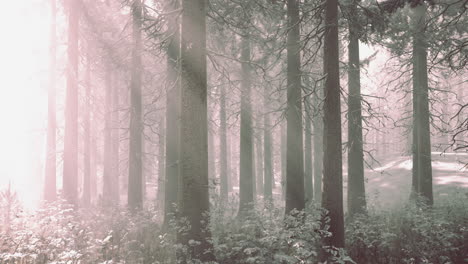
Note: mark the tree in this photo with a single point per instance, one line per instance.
(332, 196)
(356, 187)
(308, 172)
(50, 192)
(294, 149)
(193, 175)
(115, 123)
(246, 190)
(317, 123)
(87, 134)
(161, 192)
(108, 181)
(223, 155)
(172, 119)
(135, 195)
(70, 151)
(422, 168)
(267, 151)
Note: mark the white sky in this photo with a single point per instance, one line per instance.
(24, 29)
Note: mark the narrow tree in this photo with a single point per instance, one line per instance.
(161, 164)
(356, 188)
(308, 172)
(294, 141)
(193, 171)
(135, 195)
(70, 151)
(259, 155)
(87, 134)
(172, 118)
(50, 192)
(267, 150)
(223, 146)
(422, 168)
(332, 196)
(107, 181)
(246, 191)
(115, 125)
(317, 123)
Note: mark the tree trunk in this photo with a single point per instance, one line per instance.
(223, 147)
(332, 196)
(108, 181)
(318, 145)
(87, 135)
(135, 195)
(70, 151)
(172, 121)
(356, 187)
(283, 159)
(193, 176)
(294, 141)
(267, 151)
(161, 165)
(246, 191)
(115, 123)
(422, 167)
(259, 155)
(308, 173)
(50, 188)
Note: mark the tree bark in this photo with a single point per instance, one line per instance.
(50, 188)
(87, 135)
(70, 152)
(193, 175)
(161, 192)
(223, 147)
(108, 182)
(115, 123)
(267, 151)
(356, 187)
(308, 172)
(318, 145)
(332, 196)
(259, 155)
(135, 195)
(422, 166)
(172, 120)
(246, 191)
(294, 141)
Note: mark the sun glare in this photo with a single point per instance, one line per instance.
(23, 64)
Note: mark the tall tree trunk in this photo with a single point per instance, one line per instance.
(283, 159)
(87, 135)
(356, 188)
(332, 196)
(193, 175)
(259, 155)
(135, 195)
(161, 165)
(223, 147)
(267, 151)
(211, 153)
(254, 171)
(70, 151)
(294, 141)
(246, 191)
(50, 188)
(422, 167)
(308, 172)
(108, 181)
(318, 145)
(115, 123)
(230, 173)
(172, 120)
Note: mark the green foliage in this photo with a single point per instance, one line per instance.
(410, 235)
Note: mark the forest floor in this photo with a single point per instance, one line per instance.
(388, 184)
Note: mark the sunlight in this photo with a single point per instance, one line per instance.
(24, 53)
